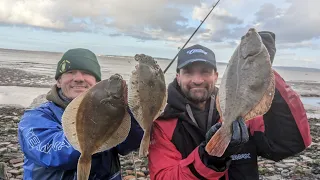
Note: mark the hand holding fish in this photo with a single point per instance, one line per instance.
(239, 136)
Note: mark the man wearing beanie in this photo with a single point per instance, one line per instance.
(190, 119)
(47, 153)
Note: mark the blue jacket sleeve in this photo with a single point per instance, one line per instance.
(133, 139)
(43, 142)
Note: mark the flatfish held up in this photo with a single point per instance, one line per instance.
(147, 96)
(97, 120)
(246, 90)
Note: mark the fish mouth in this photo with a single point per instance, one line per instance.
(251, 44)
(116, 76)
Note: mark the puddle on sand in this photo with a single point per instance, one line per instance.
(20, 95)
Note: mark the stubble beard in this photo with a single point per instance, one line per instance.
(193, 95)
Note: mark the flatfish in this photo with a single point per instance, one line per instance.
(97, 120)
(147, 95)
(247, 89)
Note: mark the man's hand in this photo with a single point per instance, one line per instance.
(239, 136)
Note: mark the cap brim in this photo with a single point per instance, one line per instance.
(192, 61)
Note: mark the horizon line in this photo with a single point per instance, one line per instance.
(133, 56)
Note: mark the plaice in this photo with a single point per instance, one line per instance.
(97, 120)
(147, 95)
(247, 88)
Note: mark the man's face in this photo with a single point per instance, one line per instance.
(197, 81)
(74, 82)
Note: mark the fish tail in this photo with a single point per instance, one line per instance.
(219, 142)
(144, 145)
(84, 167)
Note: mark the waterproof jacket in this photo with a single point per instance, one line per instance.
(49, 155)
(178, 135)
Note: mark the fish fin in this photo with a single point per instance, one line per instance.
(84, 167)
(265, 103)
(219, 142)
(119, 135)
(69, 120)
(134, 98)
(163, 105)
(144, 145)
(218, 105)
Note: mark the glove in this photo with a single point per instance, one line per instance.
(239, 137)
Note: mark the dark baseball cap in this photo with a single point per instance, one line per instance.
(196, 53)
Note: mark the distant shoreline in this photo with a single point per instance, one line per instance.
(293, 68)
(21, 78)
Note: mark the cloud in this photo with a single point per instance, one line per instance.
(141, 19)
(217, 24)
(294, 26)
(267, 12)
(45, 14)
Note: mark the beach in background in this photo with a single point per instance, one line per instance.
(26, 74)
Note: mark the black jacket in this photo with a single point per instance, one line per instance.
(282, 132)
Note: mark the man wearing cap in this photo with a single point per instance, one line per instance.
(47, 152)
(190, 119)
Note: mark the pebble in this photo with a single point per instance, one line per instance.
(290, 164)
(303, 166)
(274, 177)
(14, 172)
(140, 174)
(280, 165)
(14, 161)
(4, 144)
(3, 150)
(305, 158)
(130, 177)
(289, 160)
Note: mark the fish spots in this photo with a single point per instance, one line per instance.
(245, 87)
(135, 108)
(152, 109)
(145, 99)
(151, 83)
(134, 82)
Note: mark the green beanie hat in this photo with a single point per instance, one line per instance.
(79, 59)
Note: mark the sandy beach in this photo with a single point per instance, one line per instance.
(19, 89)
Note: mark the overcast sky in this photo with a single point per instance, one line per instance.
(159, 27)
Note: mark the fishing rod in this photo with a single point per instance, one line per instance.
(214, 5)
